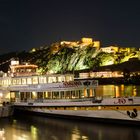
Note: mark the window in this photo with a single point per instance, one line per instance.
(61, 78)
(24, 81)
(51, 79)
(29, 81)
(18, 81)
(35, 80)
(14, 81)
(42, 79)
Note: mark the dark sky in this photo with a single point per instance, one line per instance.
(25, 24)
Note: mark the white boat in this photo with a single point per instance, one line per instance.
(60, 94)
(23, 83)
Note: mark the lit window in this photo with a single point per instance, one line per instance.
(35, 80)
(23, 81)
(60, 79)
(69, 78)
(14, 81)
(29, 81)
(42, 79)
(34, 95)
(18, 81)
(51, 79)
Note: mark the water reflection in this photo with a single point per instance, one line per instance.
(43, 128)
(118, 90)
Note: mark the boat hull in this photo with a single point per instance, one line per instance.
(108, 110)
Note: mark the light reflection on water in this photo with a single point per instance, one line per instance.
(43, 128)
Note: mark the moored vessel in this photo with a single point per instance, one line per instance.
(61, 95)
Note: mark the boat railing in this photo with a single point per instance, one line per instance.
(62, 100)
(53, 100)
(99, 99)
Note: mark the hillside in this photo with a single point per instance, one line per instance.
(77, 58)
(62, 57)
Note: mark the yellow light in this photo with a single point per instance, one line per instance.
(87, 40)
(117, 91)
(33, 50)
(97, 44)
(1, 95)
(91, 92)
(85, 92)
(34, 95)
(34, 132)
(99, 107)
(75, 134)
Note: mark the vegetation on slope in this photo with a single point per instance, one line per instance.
(68, 58)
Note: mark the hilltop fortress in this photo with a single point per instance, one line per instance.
(90, 42)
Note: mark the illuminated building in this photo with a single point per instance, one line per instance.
(83, 43)
(101, 74)
(123, 50)
(110, 49)
(87, 40)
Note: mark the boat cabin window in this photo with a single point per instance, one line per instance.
(29, 70)
(35, 80)
(18, 81)
(14, 82)
(69, 78)
(29, 81)
(42, 79)
(34, 95)
(52, 79)
(61, 78)
(48, 95)
(24, 81)
(55, 95)
(62, 94)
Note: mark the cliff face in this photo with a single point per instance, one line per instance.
(66, 59)
(62, 58)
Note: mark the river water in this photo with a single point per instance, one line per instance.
(43, 128)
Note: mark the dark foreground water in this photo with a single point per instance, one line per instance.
(43, 128)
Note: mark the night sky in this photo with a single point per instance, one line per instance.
(25, 24)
